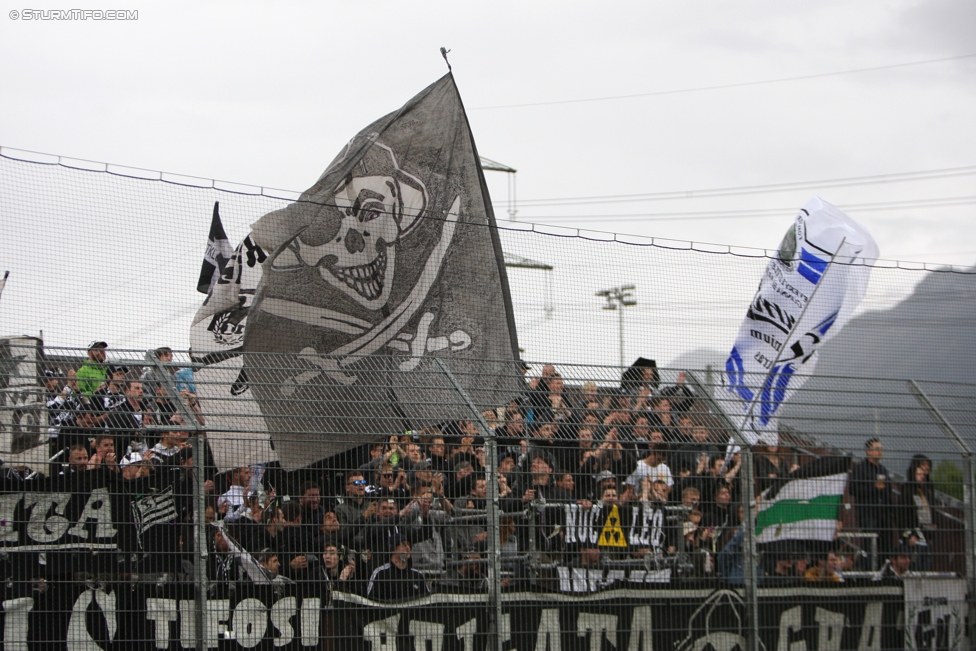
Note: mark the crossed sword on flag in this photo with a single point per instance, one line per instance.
(386, 333)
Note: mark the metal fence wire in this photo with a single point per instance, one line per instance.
(150, 500)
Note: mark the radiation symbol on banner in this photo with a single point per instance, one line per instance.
(612, 534)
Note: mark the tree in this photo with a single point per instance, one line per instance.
(948, 478)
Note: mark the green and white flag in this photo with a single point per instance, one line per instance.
(805, 504)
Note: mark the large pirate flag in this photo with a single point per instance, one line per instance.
(389, 260)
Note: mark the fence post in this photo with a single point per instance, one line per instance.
(492, 508)
(750, 553)
(199, 501)
(968, 494)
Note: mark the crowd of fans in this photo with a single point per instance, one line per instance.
(640, 476)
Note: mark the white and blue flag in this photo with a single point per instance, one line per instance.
(807, 294)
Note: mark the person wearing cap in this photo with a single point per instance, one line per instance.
(603, 479)
(396, 580)
(93, 373)
(135, 466)
(420, 478)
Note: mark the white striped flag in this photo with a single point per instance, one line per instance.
(804, 505)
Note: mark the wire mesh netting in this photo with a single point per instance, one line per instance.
(574, 510)
(182, 487)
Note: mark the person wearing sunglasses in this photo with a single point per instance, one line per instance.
(350, 511)
(392, 485)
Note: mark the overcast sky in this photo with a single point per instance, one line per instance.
(266, 94)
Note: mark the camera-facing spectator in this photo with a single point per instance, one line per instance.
(651, 467)
(231, 504)
(827, 570)
(77, 459)
(917, 512)
(93, 373)
(169, 446)
(311, 503)
(396, 580)
(421, 521)
(350, 511)
(392, 485)
(898, 564)
(870, 485)
(103, 456)
(338, 571)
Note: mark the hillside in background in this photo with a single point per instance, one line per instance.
(929, 337)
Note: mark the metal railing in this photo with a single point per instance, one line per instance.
(565, 548)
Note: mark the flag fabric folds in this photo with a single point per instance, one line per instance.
(390, 261)
(238, 433)
(804, 505)
(217, 257)
(807, 294)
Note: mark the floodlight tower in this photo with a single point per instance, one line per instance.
(617, 299)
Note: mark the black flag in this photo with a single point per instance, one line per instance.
(389, 260)
(218, 255)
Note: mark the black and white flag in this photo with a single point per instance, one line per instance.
(218, 256)
(239, 434)
(390, 260)
(153, 509)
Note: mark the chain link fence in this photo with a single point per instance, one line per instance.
(153, 501)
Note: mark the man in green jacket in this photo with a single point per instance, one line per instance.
(93, 373)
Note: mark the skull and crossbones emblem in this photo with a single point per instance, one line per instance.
(352, 243)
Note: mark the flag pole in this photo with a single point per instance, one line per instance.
(799, 320)
(492, 509)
